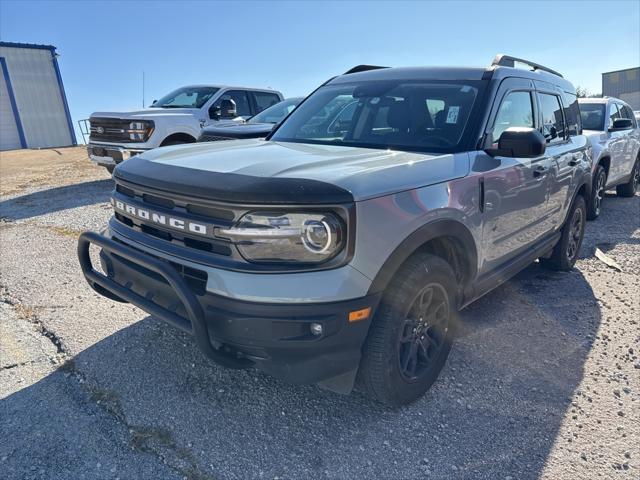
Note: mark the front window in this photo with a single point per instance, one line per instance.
(399, 115)
(275, 113)
(592, 115)
(614, 114)
(516, 110)
(187, 97)
(240, 98)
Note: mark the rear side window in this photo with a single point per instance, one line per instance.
(553, 127)
(265, 100)
(516, 110)
(628, 113)
(572, 114)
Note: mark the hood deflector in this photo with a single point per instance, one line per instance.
(230, 187)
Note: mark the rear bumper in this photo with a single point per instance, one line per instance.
(110, 154)
(274, 337)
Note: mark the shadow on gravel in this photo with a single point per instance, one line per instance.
(55, 199)
(495, 411)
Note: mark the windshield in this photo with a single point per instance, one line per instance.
(275, 113)
(400, 115)
(186, 97)
(592, 115)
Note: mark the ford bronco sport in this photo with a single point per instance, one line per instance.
(611, 127)
(338, 250)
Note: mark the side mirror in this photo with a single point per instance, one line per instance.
(519, 142)
(228, 108)
(214, 112)
(621, 124)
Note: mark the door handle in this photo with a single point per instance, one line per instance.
(540, 171)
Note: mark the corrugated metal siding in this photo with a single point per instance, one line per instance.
(38, 96)
(624, 83)
(9, 136)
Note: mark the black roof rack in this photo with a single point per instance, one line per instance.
(502, 60)
(363, 68)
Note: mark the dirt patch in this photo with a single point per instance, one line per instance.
(22, 169)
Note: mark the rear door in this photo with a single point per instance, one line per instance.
(631, 139)
(516, 189)
(564, 154)
(617, 142)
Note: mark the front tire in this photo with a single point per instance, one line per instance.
(597, 193)
(110, 168)
(630, 188)
(412, 332)
(565, 253)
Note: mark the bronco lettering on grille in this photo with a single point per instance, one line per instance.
(162, 219)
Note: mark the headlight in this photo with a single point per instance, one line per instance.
(140, 131)
(266, 237)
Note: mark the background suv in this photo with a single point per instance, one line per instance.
(258, 126)
(613, 132)
(339, 250)
(176, 118)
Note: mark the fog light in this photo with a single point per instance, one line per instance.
(316, 329)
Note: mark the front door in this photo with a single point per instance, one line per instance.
(516, 189)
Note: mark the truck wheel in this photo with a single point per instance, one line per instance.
(597, 193)
(566, 251)
(411, 334)
(630, 188)
(110, 168)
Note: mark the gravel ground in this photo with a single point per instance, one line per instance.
(543, 382)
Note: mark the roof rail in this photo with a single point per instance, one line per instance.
(363, 68)
(502, 60)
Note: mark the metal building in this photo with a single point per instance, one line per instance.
(623, 84)
(33, 106)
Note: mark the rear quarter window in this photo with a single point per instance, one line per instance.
(572, 114)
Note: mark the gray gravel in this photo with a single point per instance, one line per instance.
(544, 381)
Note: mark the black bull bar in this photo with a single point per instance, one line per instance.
(195, 323)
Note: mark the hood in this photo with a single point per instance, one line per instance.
(365, 173)
(148, 113)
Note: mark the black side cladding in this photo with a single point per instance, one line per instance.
(230, 187)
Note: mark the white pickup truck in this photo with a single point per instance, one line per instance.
(175, 118)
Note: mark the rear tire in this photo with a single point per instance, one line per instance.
(565, 253)
(597, 193)
(412, 332)
(630, 188)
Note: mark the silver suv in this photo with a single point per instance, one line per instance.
(338, 250)
(611, 127)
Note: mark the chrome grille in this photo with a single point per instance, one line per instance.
(108, 129)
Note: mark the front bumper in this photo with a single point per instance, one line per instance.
(110, 155)
(274, 337)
